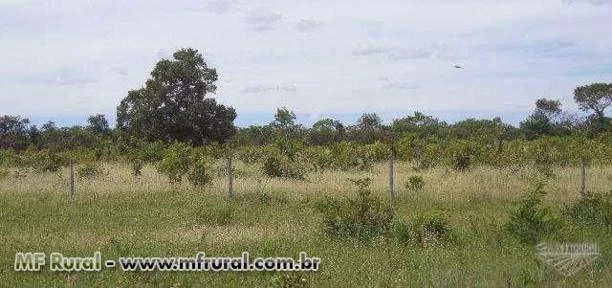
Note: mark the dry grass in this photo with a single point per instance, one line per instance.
(442, 184)
(119, 214)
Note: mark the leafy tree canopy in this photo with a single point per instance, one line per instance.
(172, 105)
(13, 132)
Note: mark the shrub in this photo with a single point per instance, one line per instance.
(140, 152)
(532, 221)
(424, 230)
(461, 153)
(594, 209)
(350, 156)
(430, 229)
(40, 160)
(377, 151)
(250, 155)
(461, 162)
(363, 218)
(90, 170)
(402, 231)
(199, 174)
(151, 152)
(415, 183)
(321, 158)
(214, 150)
(281, 166)
(273, 166)
(176, 162)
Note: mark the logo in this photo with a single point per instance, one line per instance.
(568, 259)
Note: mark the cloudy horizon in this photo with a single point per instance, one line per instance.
(65, 60)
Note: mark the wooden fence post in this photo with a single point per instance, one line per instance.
(230, 187)
(71, 196)
(583, 177)
(391, 188)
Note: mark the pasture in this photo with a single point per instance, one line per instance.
(124, 215)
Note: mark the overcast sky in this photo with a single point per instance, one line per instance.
(68, 59)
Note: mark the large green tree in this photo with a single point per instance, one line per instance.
(369, 128)
(13, 132)
(421, 124)
(595, 97)
(545, 120)
(98, 125)
(284, 123)
(325, 132)
(172, 105)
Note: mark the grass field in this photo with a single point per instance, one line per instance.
(122, 215)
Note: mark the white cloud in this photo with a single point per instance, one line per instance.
(400, 85)
(72, 80)
(367, 49)
(86, 55)
(121, 70)
(593, 2)
(262, 19)
(402, 54)
(267, 88)
(218, 6)
(307, 25)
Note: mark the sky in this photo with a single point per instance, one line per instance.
(64, 60)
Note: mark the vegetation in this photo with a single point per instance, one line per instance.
(363, 218)
(172, 105)
(532, 221)
(415, 183)
(472, 225)
(454, 227)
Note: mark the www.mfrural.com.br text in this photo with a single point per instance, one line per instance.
(36, 261)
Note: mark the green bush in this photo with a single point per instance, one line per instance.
(176, 162)
(41, 161)
(461, 162)
(402, 231)
(151, 152)
(363, 218)
(429, 229)
(415, 183)
(461, 153)
(532, 220)
(321, 158)
(350, 156)
(140, 152)
(281, 166)
(273, 166)
(250, 154)
(90, 170)
(199, 175)
(425, 230)
(594, 209)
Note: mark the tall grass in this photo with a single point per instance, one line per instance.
(123, 215)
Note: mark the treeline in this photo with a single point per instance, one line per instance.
(17, 134)
(172, 109)
(418, 137)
